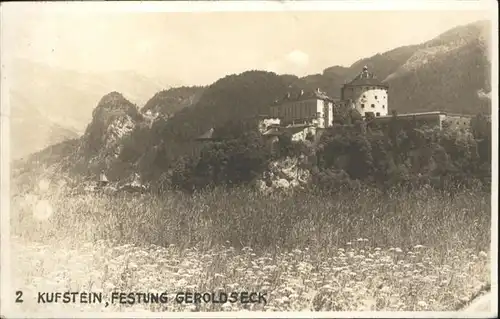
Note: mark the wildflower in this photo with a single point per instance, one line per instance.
(288, 290)
(326, 287)
(464, 299)
(422, 304)
(385, 289)
(418, 246)
(483, 254)
(191, 307)
(132, 265)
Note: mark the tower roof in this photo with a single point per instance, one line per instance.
(365, 78)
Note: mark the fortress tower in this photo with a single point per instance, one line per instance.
(367, 93)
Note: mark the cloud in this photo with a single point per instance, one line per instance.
(294, 62)
(298, 58)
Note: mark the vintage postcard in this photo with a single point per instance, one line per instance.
(250, 159)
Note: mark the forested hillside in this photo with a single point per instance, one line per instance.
(449, 73)
(168, 102)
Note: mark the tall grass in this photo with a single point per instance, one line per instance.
(282, 221)
(355, 251)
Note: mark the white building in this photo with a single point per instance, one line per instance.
(308, 113)
(307, 108)
(367, 94)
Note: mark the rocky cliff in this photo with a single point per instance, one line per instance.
(285, 174)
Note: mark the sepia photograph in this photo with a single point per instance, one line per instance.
(249, 159)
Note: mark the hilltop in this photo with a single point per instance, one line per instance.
(168, 102)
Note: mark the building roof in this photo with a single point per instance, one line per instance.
(208, 135)
(366, 78)
(460, 115)
(322, 96)
(412, 114)
(303, 95)
(292, 129)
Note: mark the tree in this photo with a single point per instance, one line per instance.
(481, 129)
(229, 162)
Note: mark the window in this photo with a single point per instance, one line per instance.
(383, 106)
(375, 97)
(362, 106)
(364, 96)
(378, 114)
(373, 105)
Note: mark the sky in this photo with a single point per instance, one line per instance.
(197, 48)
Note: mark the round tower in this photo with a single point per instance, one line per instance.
(367, 93)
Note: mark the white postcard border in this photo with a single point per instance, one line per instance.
(229, 6)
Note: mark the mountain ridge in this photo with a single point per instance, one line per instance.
(437, 84)
(63, 100)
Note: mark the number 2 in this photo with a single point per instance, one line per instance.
(19, 294)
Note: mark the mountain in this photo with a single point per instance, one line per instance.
(56, 104)
(449, 73)
(233, 97)
(168, 102)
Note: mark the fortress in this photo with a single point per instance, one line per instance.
(306, 113)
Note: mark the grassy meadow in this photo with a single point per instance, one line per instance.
(356, 251)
